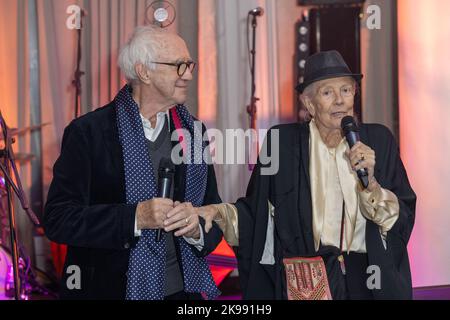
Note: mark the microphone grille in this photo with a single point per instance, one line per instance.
(257, 11)
(348, 124)
(166, 167)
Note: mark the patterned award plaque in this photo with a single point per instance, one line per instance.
(306, 279)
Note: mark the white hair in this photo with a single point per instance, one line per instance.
(142, 47)
(310, 91)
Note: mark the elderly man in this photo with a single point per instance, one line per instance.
(313, 217)
(103, 199)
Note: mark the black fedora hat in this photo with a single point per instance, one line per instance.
(325, 65)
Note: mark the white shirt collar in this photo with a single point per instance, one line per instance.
(153, 133)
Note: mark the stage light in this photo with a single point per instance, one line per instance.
(303, 51)
(303, 47)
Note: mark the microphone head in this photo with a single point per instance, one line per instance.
(257, 12)
(166, 168)
(348, 124)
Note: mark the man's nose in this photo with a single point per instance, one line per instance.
(187, 75)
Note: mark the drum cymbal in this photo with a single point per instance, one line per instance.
(18, 132)
(22, 158)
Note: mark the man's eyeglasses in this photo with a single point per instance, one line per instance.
(181, 66)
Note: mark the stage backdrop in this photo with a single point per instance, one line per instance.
(424, 86)
(37, 61)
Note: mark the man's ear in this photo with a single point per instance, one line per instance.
(142, 72)
(308, 104)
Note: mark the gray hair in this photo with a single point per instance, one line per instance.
(310, 91)
(142, 47)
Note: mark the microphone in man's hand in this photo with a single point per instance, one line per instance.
(351, 132)
(166, 172)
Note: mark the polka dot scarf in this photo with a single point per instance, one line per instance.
(145, 276)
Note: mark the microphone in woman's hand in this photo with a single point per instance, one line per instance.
(351, 132)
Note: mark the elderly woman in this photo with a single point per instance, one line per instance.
(316, 201)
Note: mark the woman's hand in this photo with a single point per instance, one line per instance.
(209, 213)
(184, 219)
(362, 156)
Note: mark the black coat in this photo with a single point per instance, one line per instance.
(289, 192)
(86, 207)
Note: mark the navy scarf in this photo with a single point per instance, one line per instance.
(146, 269)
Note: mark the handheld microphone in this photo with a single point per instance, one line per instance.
(257, 12)
(351, 132)
(166, 172)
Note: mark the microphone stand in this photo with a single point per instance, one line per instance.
(78, 73)
(9, 164)
(251, 109)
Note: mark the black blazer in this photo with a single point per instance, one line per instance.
(290, 193)
(86, 207)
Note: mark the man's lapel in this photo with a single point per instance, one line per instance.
(111, 138)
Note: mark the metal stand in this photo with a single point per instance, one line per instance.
(251, 109)
(6, 166)
(13, 236)
(78, 73)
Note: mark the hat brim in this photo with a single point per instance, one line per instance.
(302, 86)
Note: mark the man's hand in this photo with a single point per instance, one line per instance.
(209, 213)
(151, 214)
(184, 218)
